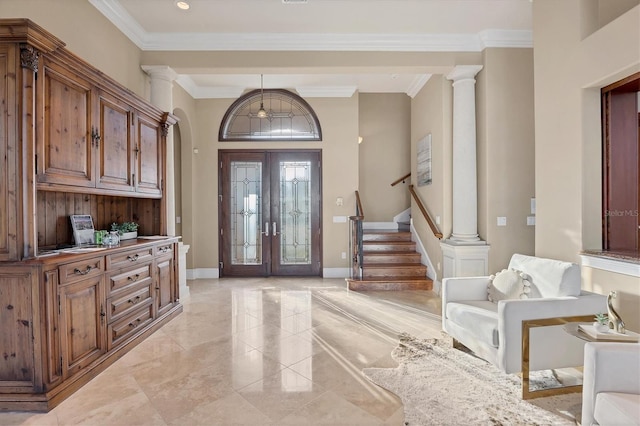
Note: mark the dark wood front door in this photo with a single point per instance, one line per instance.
(270, 213)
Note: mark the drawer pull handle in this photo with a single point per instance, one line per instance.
(134, 300)
(85, 272)
(134, 278)
(132, 325)
(133, 258)
(164, 249)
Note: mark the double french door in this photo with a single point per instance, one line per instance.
(269, 217)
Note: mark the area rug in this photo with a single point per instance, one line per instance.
(439, 385)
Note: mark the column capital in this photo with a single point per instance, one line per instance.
(162, 72)
(463, 72)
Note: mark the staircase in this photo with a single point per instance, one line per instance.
(390, 263)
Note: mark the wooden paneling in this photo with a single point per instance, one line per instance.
(115, 145)
(148, 154)
(54, 209)
(82, 320)
(16, 312)
(67, 149)
(8, 160)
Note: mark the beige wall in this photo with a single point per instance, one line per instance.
(431, 112)
(569, 71)
(85, 30)
(385, 154)
(185, 109)
(339, 120)
(505, 144)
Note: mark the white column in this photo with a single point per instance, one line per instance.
(162, 78)
(464, 254)
(465, 181)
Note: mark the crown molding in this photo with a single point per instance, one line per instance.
(202, 92)
(113, 11)
(417, 84)
(326, 91)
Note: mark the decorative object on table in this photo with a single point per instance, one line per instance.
(112, 239)
(127, 230)
(439, 385)
(609, 335)
(601, 323)
(83, 232)
(615, 322)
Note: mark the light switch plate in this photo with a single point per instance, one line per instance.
(502, 221)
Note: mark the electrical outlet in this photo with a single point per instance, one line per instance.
(531, 220)
(344, 255)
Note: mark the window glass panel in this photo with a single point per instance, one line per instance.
(295, 212)
(246, 213)
(289, 117)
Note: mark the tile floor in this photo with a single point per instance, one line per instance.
(263, 351)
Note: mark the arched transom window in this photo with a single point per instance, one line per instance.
(289, 118)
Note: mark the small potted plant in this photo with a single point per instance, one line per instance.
(127, 230)
(601, 323)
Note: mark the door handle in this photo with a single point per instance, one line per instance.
(266, 229)
(275, 232)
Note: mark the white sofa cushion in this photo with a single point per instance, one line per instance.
(479, 318)
(551, 278)
(615, 408)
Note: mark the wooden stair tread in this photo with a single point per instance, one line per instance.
(389, 284)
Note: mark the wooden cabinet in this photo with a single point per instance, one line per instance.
(115, 144)
(165, 279)
(93, 137)
(65, 154)
(74, 141)
(149, 170)
(18, 326)
(82, 321)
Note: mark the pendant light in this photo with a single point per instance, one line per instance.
(262, 113)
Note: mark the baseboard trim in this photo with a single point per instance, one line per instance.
(335, 273)
(203, 273)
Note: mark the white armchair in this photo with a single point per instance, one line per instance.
(493, 331)
(611, 387)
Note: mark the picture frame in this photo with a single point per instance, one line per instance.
(424, 161)
(83, 231)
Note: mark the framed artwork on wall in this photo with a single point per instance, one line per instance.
(424, 160)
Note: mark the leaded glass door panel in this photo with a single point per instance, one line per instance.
(270, 213)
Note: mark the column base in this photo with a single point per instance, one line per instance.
(182, 270)
(464, 259)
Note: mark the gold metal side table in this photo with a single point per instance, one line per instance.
(527, 325)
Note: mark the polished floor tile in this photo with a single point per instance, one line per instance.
(258, 351)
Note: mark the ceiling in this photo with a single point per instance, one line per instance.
(318, 25)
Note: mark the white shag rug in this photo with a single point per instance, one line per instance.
(439, 385)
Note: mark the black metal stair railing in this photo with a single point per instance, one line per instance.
(356, 254)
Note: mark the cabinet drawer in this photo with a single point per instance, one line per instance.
(164, 249)
(75, 271)
(121, 281)
(123, 305)
(129, 258)
(120, 330)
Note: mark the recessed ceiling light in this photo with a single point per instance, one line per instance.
(183, 5)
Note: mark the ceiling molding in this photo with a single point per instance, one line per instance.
(417, 84)
(326, 91)
(204, 92)
(113, 11)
